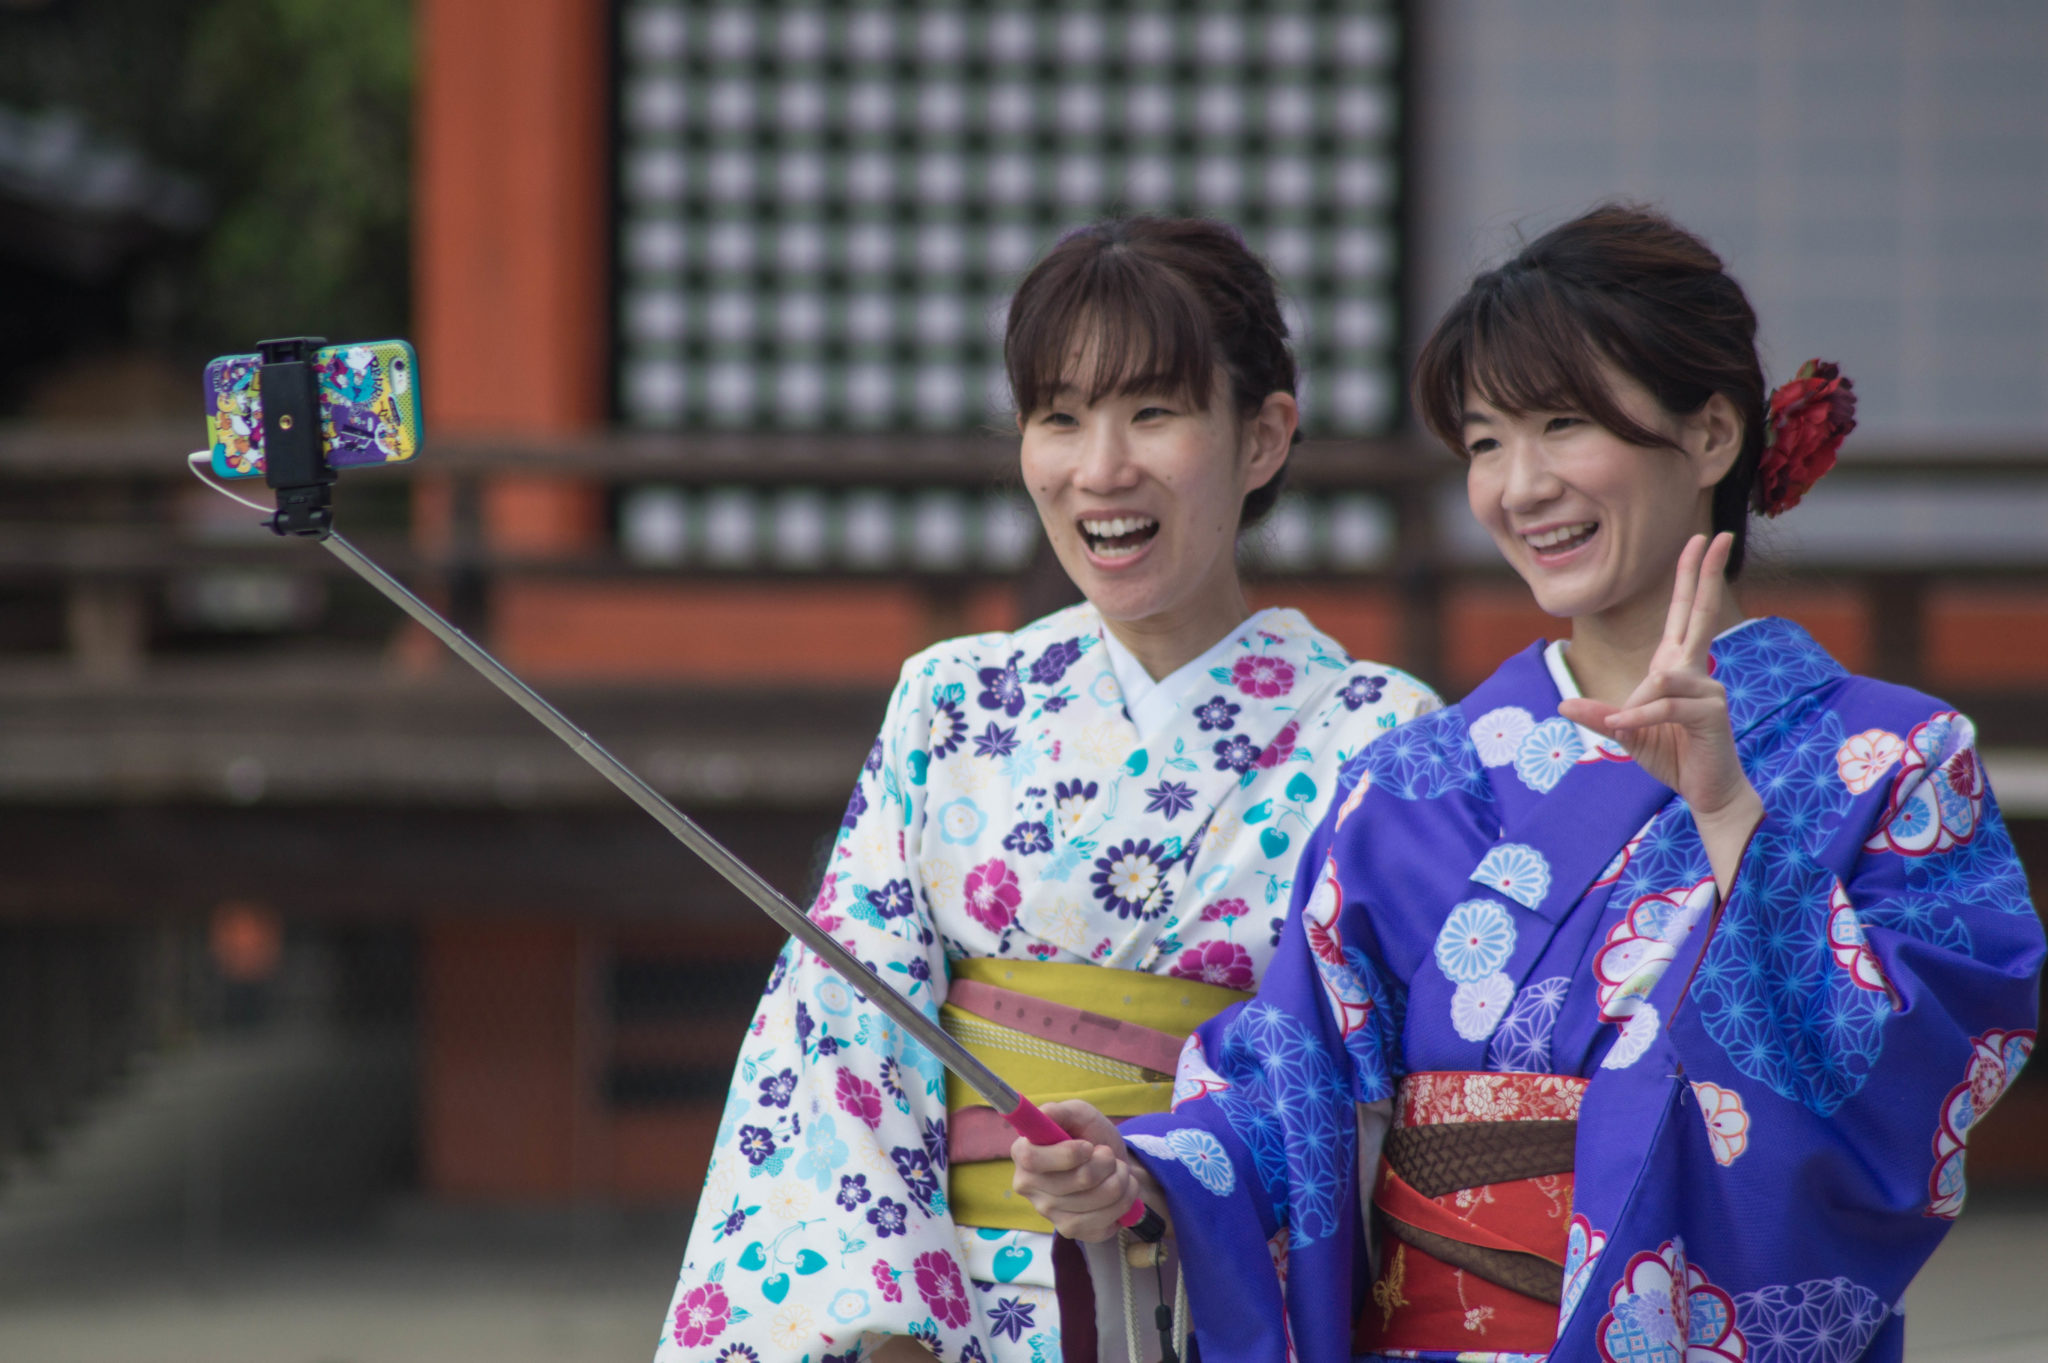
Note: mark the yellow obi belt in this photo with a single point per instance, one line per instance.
(1056, 1030)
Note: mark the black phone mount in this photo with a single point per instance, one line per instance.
(294, 457)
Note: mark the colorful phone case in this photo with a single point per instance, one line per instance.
(369, 407)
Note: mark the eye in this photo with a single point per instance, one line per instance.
(1562, 423)
(1152, 413)
(1063, 420)
(1485, 444)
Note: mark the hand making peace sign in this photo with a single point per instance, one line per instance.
(1675, 723)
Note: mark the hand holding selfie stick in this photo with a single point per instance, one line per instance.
(295, 466)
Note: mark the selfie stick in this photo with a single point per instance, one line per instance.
(297, 468)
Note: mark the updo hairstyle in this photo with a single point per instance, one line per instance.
(1166, 301)
(1622, 285)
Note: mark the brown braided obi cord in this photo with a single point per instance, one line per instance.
(1473, 1203)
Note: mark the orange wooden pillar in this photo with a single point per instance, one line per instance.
(512, 224)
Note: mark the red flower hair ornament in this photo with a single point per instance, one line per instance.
(1809, 416)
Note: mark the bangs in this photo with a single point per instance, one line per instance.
(1134, 324)
(1514, 343)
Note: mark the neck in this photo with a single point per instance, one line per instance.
(1610, 652)
(1166, 642)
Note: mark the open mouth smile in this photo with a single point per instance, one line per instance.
(1114, 537)
(1559, 540)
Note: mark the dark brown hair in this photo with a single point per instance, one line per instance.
(1622, 285)
(1167, 302)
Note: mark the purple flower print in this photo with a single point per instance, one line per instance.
(1027, 838)
(804, 1025)
(995, 742)
(1002, 689)
(1128, 879)
(1069, 798)
(1054, 662)
(856, 805)
(1055, 704)
(757, 1143)
(888, 1217)
(949, 728)
(1216, 713)
(1011, 1319)
(1171, 798)
(873, 765)
(935, 1143)
(916, 1168)
(1361, 691)
(1236, 753)
(853, 1190)
(777, 1088)
(893, 900)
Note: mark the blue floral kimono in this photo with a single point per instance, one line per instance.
(1779, 1086)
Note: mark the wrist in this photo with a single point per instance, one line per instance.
(1743, 811)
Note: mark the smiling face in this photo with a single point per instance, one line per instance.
(1593, 523)
(1140, 493)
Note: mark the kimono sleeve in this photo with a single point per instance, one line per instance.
(1258, 1158)
(1868, 992)
(824, 1218)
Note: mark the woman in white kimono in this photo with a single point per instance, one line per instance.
(1121, 786)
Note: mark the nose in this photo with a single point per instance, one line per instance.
(1106, 464)
(1529, 481)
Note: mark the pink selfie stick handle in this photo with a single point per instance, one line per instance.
(1034, 1126)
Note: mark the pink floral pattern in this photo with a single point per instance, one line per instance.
(859, 1098)
(992, 894)
(701, 1316)
(886, 1281)
(1224, 963)
(938, 1282)
(1280, 749)
(1262, 676)
(1225, 910)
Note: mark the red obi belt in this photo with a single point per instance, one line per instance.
(1473, 1204)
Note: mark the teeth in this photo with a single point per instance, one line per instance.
(1121, 525)
(1564, 534)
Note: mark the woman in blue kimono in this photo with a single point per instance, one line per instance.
(1073, 842)
(1650, 994)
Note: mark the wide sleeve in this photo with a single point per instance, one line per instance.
(1258, 1157)
(1868, 991)
(824, 1221)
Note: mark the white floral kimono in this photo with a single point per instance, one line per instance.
(1011, 808)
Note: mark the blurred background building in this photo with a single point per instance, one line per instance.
(311, 945)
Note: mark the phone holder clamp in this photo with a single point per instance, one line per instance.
(294, 461)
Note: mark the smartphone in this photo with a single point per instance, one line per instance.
(369, 407)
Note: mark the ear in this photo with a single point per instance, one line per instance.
(1714, 439)
(1268, 436)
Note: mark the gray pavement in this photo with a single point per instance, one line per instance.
(223, 1209)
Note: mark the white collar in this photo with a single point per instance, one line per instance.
(1568, 685)
(1152, 704)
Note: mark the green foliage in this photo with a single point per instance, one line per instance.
(296, 115)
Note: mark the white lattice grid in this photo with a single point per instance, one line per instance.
(824, 209)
